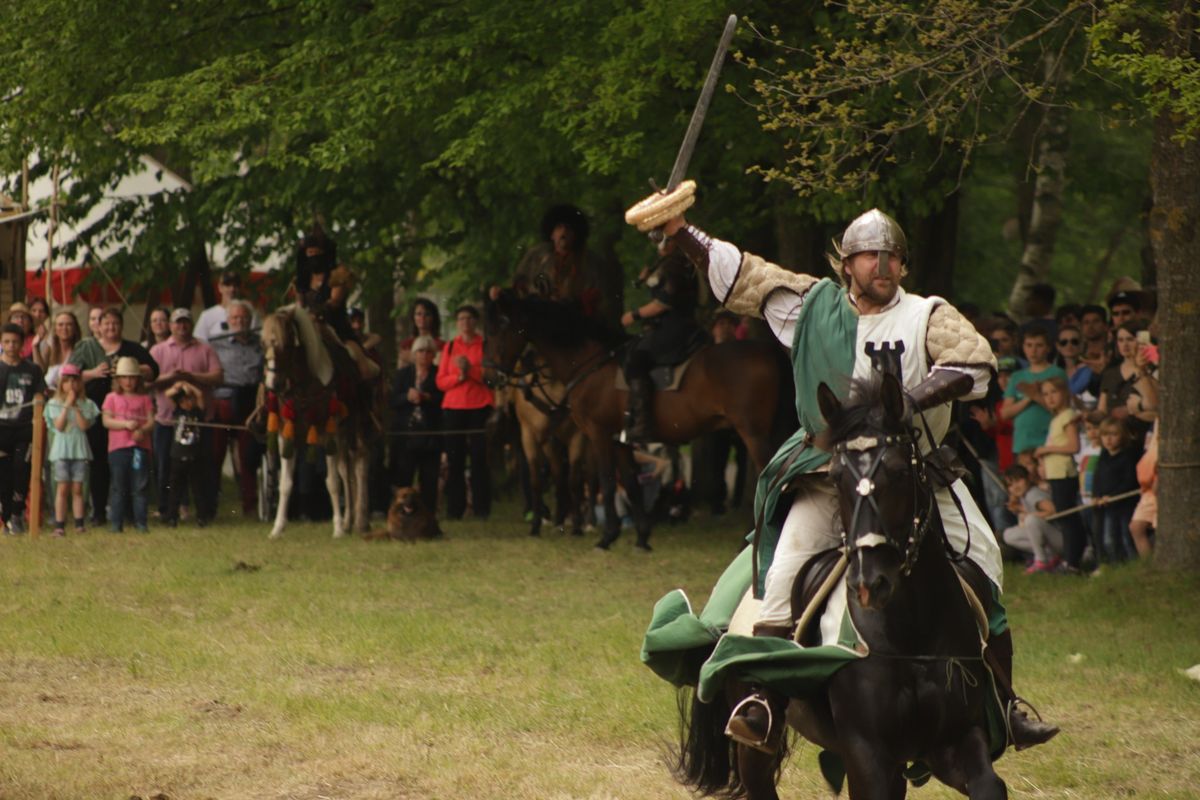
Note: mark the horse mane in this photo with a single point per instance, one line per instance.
(863, 413)
(274, 329)
(563, 323)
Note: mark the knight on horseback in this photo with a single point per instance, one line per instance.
(863, 322)
(670, 334)
(323, 287)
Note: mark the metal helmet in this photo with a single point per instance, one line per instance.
(873, 230)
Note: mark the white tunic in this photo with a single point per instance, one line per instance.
(898, 332)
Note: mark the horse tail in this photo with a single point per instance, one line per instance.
(706, 759)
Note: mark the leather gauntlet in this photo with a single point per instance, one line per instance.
(942, 386)
(692, 247)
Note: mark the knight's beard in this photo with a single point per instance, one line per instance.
(879, 297)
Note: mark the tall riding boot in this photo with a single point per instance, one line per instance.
(757, 721)
(1025, 732)
(639, 422)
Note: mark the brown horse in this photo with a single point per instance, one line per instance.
(302, 369)
(744, 385)
(549, 435)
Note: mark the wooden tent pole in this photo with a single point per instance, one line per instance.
(35, 468)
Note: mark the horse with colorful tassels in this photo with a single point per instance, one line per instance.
(315, 391)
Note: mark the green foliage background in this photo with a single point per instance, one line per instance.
(433, 136)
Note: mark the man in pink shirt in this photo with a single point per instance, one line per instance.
(182, 358)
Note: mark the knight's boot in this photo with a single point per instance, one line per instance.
(1024, 731)
(639, 426)
(367, 367)
(758, 720)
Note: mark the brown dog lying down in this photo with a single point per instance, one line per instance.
(407, 519)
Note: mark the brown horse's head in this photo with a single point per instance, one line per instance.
(884, 493)
(504, 336)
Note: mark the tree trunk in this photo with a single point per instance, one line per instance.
(1046, 214)
(1174, 222)
(197, 273)
(934, 247)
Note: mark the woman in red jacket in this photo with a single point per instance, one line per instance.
(466, 406)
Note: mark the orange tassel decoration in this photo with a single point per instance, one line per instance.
(289, 429)
(272, 423)
(312, 438)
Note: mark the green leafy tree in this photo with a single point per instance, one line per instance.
(1157, 50)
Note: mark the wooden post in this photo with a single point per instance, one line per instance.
(35, 468)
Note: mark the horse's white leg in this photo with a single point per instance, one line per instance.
(362, 489)
(335, 476)
(287, 467)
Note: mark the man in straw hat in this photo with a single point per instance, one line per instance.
(860, 323)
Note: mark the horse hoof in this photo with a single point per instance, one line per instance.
(644, 547)
(535, 532)
(274, 534)
(603, 544)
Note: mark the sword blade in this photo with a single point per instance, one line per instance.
(679, 171)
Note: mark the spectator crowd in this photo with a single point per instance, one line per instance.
(1063, 450)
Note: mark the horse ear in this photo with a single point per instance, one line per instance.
(827, 401)
(892, 394)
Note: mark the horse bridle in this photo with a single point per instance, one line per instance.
(865, 491)
(269, 361)
(559, 408)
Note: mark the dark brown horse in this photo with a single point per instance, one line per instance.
(921, 694)
(744, 385)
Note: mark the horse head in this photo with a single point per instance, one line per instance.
(884, 492)
(504, 336)
(279, 341)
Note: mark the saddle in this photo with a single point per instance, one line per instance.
(666, 378)
(357, 392)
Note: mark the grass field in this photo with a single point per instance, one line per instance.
(215, 664)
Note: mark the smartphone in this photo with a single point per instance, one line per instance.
(1143, 337)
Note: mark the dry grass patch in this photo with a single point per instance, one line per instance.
(216, 664)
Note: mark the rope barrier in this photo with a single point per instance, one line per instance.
(1058, 514)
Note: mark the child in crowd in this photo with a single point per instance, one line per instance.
(1085, 464)
(185, 451)
(1145, 514)
(1116, 474)
(129, 418)
(20, 380)
(69, 414)
(1032, 534)
(1058, 464)
(1023, 402)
